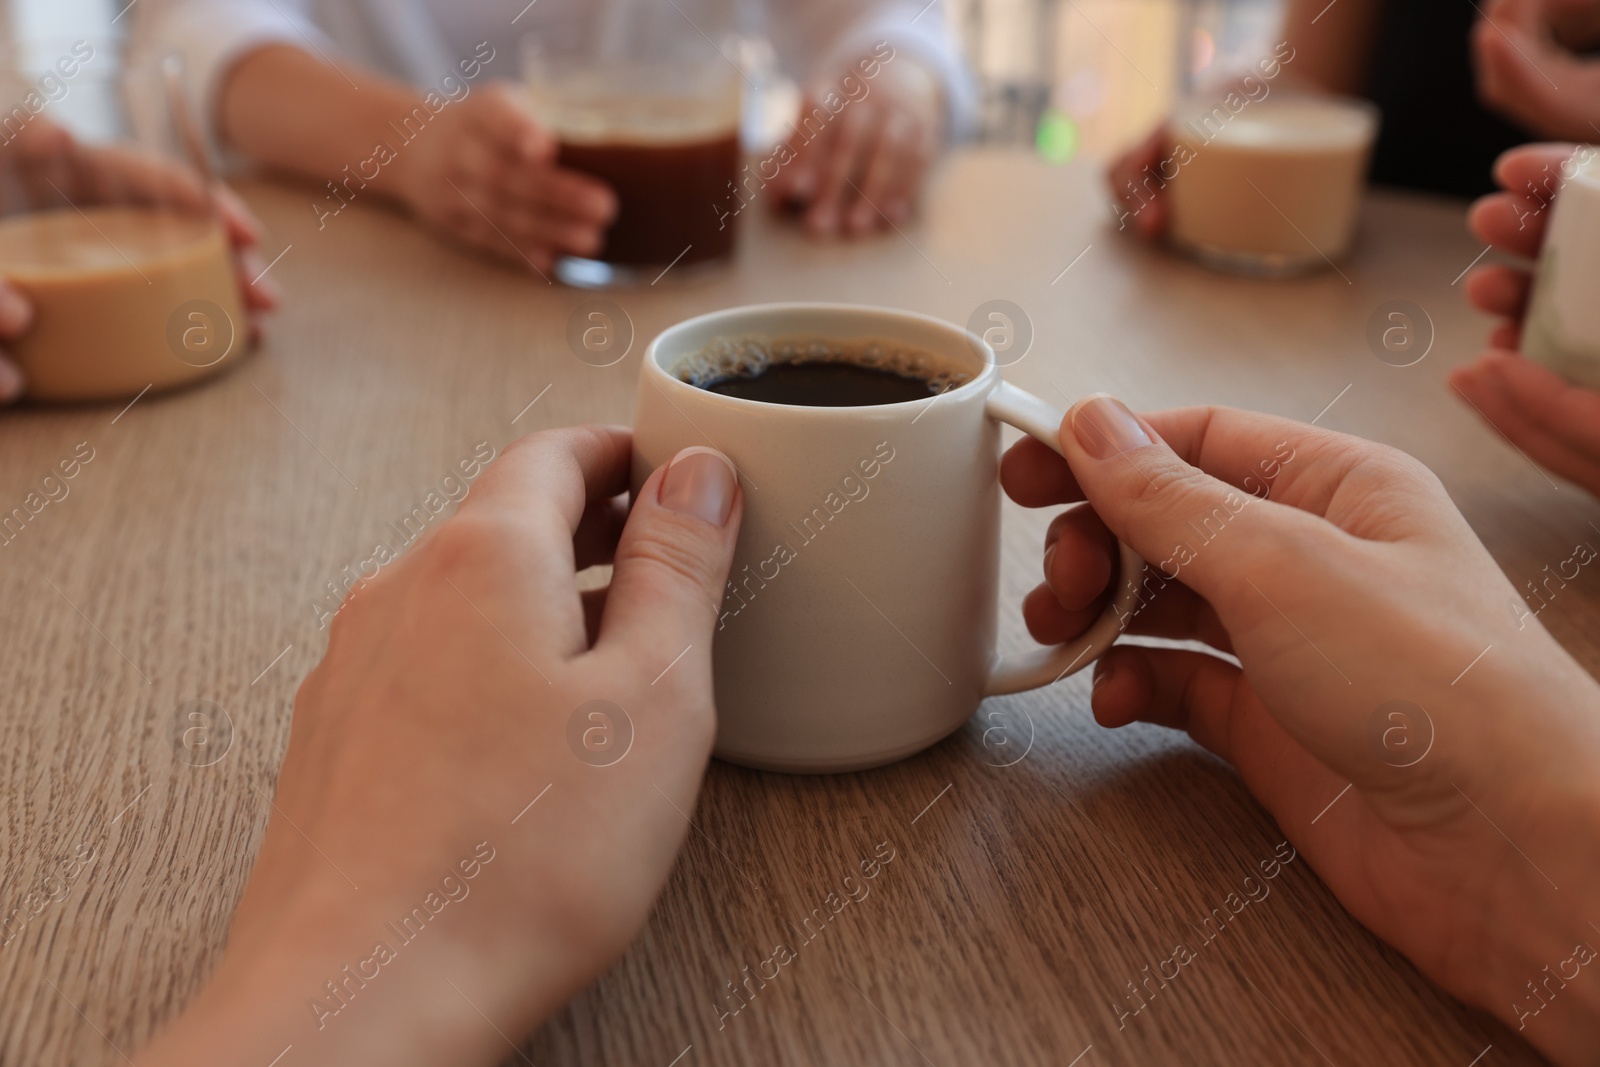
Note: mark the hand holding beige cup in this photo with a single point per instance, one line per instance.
(1274, 188)
(859, 622)
(135, 272)
(1269, 186)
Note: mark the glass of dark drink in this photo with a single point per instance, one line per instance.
(646, 98)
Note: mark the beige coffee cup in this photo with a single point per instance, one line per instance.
(859, 622)
(1270, 186)
(109, 230)
(124, 299)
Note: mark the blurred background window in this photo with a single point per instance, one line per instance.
(1089, 76)
(36, 34)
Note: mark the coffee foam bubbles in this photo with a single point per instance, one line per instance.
(749, 357)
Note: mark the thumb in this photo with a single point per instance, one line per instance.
(12, 381)
(16, 312)
(1181, 520)
(672, 561)
(16, 315)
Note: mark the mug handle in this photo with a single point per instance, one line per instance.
(1042, 666)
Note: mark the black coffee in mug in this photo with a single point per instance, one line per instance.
(821, 373)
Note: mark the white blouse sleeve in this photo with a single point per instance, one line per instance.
(810, 36)
(211, 35)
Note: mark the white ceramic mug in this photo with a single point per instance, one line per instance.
(858, 625)
(1562, 329)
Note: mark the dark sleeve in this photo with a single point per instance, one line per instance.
(1435, 135)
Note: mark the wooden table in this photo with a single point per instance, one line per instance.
(1023, 899)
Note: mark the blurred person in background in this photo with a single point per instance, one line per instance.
(1458, 84)
(308, 86)
(1460, 89)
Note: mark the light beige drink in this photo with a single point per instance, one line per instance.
(123, 298)
(1271, 187)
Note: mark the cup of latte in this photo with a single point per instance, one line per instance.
(859, 620)
(109, 230)
(1270, 186)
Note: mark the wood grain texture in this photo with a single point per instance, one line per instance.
(1022, 900)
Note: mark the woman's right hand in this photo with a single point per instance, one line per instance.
(485, 174)
(1138, 199)
(1361, 642)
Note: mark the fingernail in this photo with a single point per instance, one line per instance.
(250, 264)
(700, 482)
(861, 218)
(1049, 556)
(1105, 427)
(1102, 672)
(11, 381)
(824, 219)
(248, 224)
(268, 290)
(15, 311)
